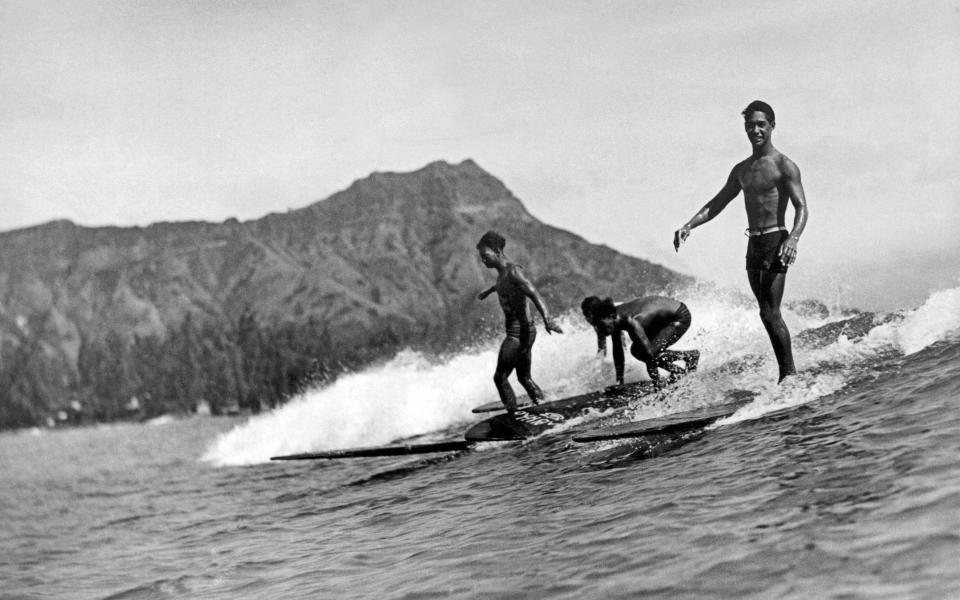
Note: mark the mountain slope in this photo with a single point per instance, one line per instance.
(394, 251)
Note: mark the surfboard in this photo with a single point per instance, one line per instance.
(535, 420)
(500, 428)
(498, 406)
(395, 450)
(674, 423)
(640, 448)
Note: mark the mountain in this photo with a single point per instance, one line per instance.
(394, 253)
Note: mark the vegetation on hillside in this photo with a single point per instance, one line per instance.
(246, 366)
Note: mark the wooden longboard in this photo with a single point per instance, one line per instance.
(498, 406)
(677, 422)
(535, 420)
(396, 450)
(499, 428)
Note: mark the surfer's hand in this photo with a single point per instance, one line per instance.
(788, 251)
(551, 325)
(483, 295)
(680, 236)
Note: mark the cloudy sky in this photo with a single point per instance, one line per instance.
(615, 120)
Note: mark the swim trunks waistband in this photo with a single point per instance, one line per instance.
(756, 232)
(520, 329)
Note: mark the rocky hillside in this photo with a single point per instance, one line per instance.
(394, 251)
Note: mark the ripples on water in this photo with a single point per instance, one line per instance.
(854, 492)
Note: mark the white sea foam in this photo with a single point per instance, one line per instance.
(408, 396)
(827, 370)
(414, 395)
(933, 321)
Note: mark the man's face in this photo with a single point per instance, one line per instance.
(488, 256)
(758, 128)
(607, 324)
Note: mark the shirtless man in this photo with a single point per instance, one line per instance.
(768, 180)
(513, 289)
(653, 323)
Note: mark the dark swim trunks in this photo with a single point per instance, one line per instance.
(683, 316)
(763, 252)
(526, 332)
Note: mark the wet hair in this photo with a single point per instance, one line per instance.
(587, 306)
(759, 105)
(492, 240)
(603, 309)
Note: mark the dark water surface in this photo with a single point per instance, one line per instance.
(851, 493)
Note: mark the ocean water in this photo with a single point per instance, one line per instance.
(843, 483)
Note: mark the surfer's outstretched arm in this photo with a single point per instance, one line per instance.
(711, 209)
(483, 295)
(524, 285)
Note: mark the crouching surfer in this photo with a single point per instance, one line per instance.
(513, 288)
(653, 323)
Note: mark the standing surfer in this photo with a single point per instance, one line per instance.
(768, 180)
(513, 288)
(653, 323)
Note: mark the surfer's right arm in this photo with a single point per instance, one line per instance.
(601, 342)
(483, 295)
(711, 209)
(617, 340)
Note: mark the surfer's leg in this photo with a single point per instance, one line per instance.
(638, 352)
(691, 358)
(671, 333)
(668, 360)
(506, 361)
(768, 289)
(668, 336)
(524, 364)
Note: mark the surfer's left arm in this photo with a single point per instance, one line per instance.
(794, 188)
(531, 292)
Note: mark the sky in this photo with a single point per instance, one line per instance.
(614, 120)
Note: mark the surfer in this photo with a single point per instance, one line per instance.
(653, 323)
(513, 289)
(768, 180)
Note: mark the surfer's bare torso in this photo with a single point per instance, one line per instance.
(511, 287)
(645, 314)
(764, 181)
